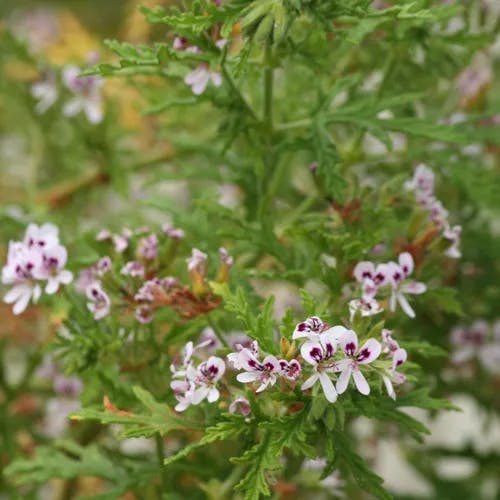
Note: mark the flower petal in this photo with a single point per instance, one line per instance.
(369, 352)
(312, 352)
(406, 263)
(349, 342)
(343, 380)
(328, 387)
(363, 270)
(360, 381)
(389, 387)
(414, 288)
(246, 377)
(405, 305)
(310, 381)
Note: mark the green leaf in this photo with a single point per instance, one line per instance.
(257, 326)
(343, 453)
(231, 428)
(161, 419)
(264, 456)
(67, 460)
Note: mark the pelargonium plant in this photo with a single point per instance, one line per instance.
(285, 261)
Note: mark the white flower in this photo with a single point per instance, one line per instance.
(310, 328)
(100, 304)
(389, 345)
(53, 262)
(423, 180)
(319, 353)
(46, 93)
(399, 357)
(207, 375)
(43, 236)
(397, 278)
(199, 78)
(367, 273)
(193, 385)
(87, 98)
(368, 306)
(355, 359)
(184, 392)
(265, 372)
(453, 234)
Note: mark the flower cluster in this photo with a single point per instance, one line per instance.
(478, 340)
(423, 185)
(264, 372)
(325, 352)
(135, 274)
(39, 260)
(193, 383)
(373, 278)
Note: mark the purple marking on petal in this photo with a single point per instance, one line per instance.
(363, 354)
(350, 347)
(316, 354)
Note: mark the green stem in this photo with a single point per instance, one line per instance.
(268, 89)
(236, 92)
(281, 127)
(161, 458)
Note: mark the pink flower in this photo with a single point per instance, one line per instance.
(225, 257)
(199, 78)
(172, 232)
(148, 247)
(423, 180)
(354, 360)
(319, 354)
(100, 304)
(134, 269)
(197, 261)
(290, 369)
(240, 405)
